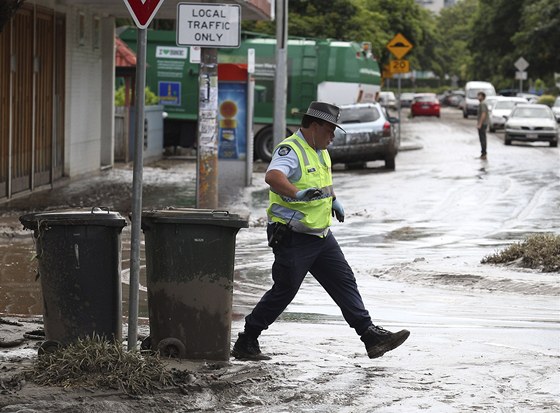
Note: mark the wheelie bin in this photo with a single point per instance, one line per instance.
(189, 269)
(79, 266)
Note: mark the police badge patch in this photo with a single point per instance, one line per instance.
(284, 150)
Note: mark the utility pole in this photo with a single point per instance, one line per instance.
(281, 79)
(207, 148)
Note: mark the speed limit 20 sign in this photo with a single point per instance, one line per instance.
(399, 66)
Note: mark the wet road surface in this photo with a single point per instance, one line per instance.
(483, 338)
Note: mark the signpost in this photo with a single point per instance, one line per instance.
(399, 46)
(142, 12)
(208, 26)
(521, 64)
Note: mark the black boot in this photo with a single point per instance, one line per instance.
(378, 341)
(247, 348)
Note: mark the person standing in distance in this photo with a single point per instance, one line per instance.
(482, 123)
(301, 204)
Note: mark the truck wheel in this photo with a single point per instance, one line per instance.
(553, 144)
(264, 143)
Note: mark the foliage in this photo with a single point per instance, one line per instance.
(473, 39)
(96, 363)
(538, 36)
(455, 25)
(537, 251)
(150, 98)
(547, 100)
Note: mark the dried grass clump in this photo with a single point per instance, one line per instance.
(97, 363)
(537, 251)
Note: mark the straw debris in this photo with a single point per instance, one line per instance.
(97, 363)
(537, 251)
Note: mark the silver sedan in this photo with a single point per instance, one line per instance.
(531, 123)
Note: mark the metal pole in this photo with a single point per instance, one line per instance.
(137, 190)
(399, 106)
(207, 148)
(281, 79)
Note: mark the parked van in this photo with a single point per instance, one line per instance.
(471, 100)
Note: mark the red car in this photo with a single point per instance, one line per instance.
(425, 104)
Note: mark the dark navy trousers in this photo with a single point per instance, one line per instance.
(295, 256)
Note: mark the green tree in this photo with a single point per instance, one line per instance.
(455, 25)
(538, 38)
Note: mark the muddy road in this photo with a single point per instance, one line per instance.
(483, 337)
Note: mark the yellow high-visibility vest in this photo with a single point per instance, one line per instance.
(311, 217)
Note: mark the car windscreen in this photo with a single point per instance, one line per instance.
(473, 93)
(359, 115)
(530, 113)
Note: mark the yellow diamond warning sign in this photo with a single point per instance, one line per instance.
(399, 46)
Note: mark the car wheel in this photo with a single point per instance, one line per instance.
(507, 140)
(465, 115)
(492, 129)
(390, 163)
(554, 144)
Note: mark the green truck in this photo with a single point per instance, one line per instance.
(338, 72)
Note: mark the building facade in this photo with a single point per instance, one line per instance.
(57, 75)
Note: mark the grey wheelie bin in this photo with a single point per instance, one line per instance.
(79, 260)
(189, 267)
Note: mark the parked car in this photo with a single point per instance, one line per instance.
(500, 110)
(531, 122)
(529, 97)
(556, 109)
(490, 101)
(370, 136)
(425, 104)
(388, 99)
(405, 99)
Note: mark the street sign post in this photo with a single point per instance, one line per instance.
(521, 65)
(208, 26)
(142, 11)
(400, 66)
(399, 46)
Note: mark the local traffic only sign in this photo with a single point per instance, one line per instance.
(399, 46)
(208, 25)
(143, 11)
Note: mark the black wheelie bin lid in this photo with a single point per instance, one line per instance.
(95, 216)
(193, 216)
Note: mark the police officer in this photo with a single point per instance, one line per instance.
(302, 202)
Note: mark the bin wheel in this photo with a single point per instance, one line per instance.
(146, 344)
(172, 348)
(48, 347)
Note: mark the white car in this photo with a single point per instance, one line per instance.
(500, 110)
(388, 99)
(531, 122)
(556, 109)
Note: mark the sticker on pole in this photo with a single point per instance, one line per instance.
(143, 11)
(208, 25)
